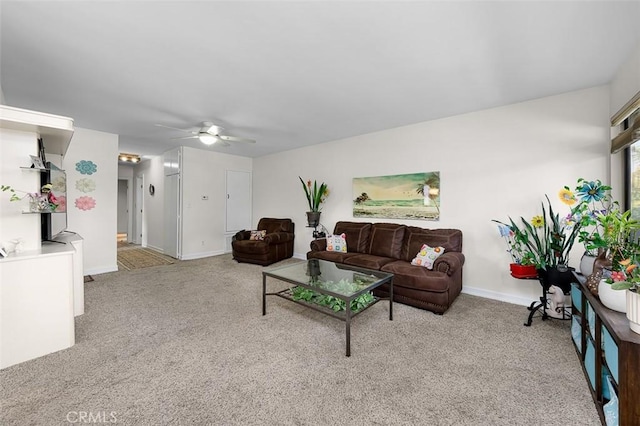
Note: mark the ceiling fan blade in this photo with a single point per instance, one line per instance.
(175, 128)
(235, 139)
(187, 137)
(208, 127)
(222, 143)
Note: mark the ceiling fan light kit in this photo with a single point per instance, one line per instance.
(209, 134)
(207, 139)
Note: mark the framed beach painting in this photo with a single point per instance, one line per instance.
(410, 196)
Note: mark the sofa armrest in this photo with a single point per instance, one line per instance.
(278, 237)
(449, 262)
(241, 235)
(319, 245)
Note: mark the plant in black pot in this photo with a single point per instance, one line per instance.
(546, 240)
(316, 195)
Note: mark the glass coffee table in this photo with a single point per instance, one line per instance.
(340, 291)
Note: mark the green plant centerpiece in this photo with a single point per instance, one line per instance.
(343, 287)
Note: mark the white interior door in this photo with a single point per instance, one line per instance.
(139, 207)
(238, 215)
(172, 216)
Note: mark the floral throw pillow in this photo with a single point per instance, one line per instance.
(257, 235)
(337, 243)
(427, 256)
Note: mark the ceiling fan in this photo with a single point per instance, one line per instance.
(209, 134)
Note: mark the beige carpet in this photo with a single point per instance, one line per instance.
(135, 257)
(186, 344)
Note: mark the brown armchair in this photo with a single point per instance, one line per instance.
(276, 245)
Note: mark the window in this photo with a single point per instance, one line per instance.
(633, 180)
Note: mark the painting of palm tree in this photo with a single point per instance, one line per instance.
(408, 196)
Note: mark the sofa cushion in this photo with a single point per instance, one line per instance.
(337, 243)
(427, 256)
(408, 275)
(368, 261)
(357, 234)
(449, 239)
(387, 240)
(332, 256)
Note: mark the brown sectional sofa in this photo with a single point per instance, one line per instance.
(390, 247)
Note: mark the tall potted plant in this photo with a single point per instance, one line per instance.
(316, 195)
(547, 240)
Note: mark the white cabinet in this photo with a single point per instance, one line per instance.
(36, 303)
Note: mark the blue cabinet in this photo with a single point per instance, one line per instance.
(609, 352)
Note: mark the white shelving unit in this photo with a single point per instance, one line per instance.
(41, 287)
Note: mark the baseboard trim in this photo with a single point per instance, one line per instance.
(488, 294)
(201, 255)
(158, 249)
(103, 270)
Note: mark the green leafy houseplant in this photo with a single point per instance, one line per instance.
(594, 199)
(316, 194)
(545, 240)
(331, 302)
(620, 237)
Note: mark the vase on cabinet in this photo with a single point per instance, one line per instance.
(613, 299)
(633, 310)
(587, 262)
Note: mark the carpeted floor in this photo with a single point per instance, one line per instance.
(186, 344)
(136, 257)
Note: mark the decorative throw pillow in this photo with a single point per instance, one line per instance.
(427, 256)
(337, 243)
(257, 235)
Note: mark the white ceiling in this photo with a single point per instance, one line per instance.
(296, 73)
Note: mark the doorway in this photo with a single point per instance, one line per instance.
(138, 233)
(125, 211)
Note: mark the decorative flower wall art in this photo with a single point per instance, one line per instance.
(85, 185)
(59, 184)
(86, 167)
(85, 203)
(62, 204)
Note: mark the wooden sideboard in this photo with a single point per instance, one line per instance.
(606, 346)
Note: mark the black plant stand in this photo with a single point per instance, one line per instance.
(542, 305)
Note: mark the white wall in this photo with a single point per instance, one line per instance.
(626, 82)
(98, 225)
(153, 211)
(493, 163)
(203, 221)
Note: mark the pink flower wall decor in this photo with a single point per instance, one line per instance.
(85, 203)
(62, 204)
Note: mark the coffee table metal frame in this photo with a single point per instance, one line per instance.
(345, 316)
